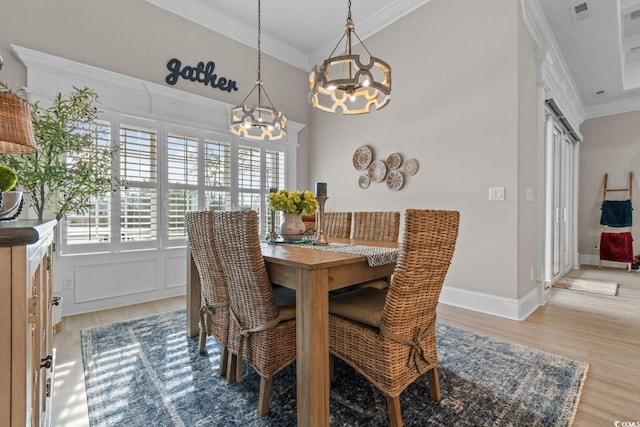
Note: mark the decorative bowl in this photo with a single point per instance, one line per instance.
(9, 203)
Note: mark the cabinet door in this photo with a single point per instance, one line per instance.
(39, 345)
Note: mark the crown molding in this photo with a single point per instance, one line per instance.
(553, 73)
(201, 12)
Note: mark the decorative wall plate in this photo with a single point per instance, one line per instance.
(394, 160)
(377, 171)
(362, 158)
(364, 181)
(410, 167)
(395, 180)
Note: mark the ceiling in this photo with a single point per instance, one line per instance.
(598, 39)
(299, 32)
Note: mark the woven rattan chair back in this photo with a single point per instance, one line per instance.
(406, 332)
(337, 224)
(214, 308)
(380, 226)
(255, 332)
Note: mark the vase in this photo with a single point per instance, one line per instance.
(292, 227)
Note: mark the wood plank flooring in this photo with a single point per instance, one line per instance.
(601, 330)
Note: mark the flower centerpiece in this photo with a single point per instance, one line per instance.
(293, 204)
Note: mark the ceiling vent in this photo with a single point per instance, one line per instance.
(580, 12)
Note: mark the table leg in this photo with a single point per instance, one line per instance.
(193, 297)
(312, 335)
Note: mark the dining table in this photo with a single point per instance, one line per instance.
(312, 273)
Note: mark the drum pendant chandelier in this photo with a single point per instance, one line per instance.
(258, 121)
(346, 83)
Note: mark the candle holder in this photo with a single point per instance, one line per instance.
(320, 240)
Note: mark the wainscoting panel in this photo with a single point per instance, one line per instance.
(109, 280)
(91, 282)
(176, 271)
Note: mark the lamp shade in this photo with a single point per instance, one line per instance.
(16, 131)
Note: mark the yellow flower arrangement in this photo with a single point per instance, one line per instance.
(295, 202)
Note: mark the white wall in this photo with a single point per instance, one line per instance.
(610, 146)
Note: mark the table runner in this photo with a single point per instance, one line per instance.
(376, 255)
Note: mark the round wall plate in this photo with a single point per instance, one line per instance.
(362, 158)
(377, 171)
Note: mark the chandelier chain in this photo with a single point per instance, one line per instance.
(259, 50)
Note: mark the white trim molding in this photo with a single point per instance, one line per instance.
(510, 308)
(553, 72)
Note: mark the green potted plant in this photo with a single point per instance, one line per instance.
(71, 166)
(293, 204)
(9, 200)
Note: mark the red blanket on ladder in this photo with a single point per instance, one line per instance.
(616, 247)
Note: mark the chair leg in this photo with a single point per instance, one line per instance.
(231, 367)
(434, 384)
(224, 360)
(264, 396)
(395, 413)
(202, 340)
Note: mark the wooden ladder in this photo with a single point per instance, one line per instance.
(606, 190)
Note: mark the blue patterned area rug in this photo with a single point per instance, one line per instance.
(146, 372)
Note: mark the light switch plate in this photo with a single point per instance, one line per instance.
(496, 194)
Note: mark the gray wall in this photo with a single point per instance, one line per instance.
(461, 93)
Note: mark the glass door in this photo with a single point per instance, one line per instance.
(560, 185)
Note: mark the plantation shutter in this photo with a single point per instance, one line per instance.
(93, 225)
(182, 177)
(217, 175)
(139, 197)
(249, 178)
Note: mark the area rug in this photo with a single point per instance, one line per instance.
(587, 285)
(147, 372)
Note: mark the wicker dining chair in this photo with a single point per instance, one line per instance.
(380, 226)
(337, 224)
(262, 327)
(388, 335)
(309, 221)
(214, 307)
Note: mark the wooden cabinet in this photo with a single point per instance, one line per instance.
(26, 358)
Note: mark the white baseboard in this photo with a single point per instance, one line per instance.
(509, 308)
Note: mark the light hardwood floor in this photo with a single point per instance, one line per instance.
(603, 331)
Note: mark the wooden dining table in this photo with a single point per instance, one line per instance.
(312, 273)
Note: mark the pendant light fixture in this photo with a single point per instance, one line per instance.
(16, 130)
(347, 83)
(258, 121)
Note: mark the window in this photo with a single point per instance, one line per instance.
(166, 170)
(94, 225)
(139, 173)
